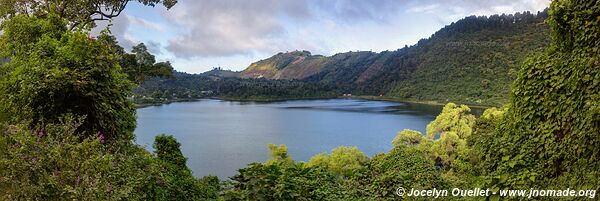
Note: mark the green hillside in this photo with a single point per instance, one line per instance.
(473, 60)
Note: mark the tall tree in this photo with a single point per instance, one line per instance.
(140, 64)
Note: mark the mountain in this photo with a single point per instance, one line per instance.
(290, 65)
(473, 60)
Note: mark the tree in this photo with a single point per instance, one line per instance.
(180, 184)
(53, 72)
(139, 64)
(452, 118)
(403, 166)
(453, 126)
(77, 13)
(342, 160)
(142, 64)
(283, 182)
(408, 137)
(279, 155)
(167, 149)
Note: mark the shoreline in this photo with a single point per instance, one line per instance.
(143, 105)
(267, 100)
(429, 102)
(258, 100)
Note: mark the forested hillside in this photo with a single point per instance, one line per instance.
(473, 60)
(226, 84)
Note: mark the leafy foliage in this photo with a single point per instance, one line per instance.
(179, 182)
(453, 118)
(549, 134)
(282, 182)
(342, 160)
(141, 64)
(280, 178)
(52, 163)
(167, 149)
(408, 137)
(53, 72)
(64, 98)
(405, 165)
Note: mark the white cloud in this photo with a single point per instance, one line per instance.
(144, 23)
(234, 27)
(230, 27)
(423, 8)
(119, 28)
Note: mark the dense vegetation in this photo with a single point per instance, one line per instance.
(66, 122)
(546, 137)
(473, 61)
(225, 84)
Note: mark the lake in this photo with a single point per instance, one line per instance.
(219, 137)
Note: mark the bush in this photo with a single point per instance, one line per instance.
(52, 163)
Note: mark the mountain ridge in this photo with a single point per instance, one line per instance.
(472, 61)
(494, 45)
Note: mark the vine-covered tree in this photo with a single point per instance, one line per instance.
(53, 72)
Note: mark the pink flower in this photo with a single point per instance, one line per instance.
(41, 134)
(102, 137)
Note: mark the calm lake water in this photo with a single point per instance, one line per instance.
(220, 137)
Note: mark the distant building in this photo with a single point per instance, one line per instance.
(206, 92)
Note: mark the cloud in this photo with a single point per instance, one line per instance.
(423, 8)
(233, 27)
(240, 27)
(229, 27)
(153, 47)
(456, 9)
(358, 10)
(144, 23)
(118, 27)
(121, 26)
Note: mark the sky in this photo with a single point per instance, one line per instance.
(198, 35)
